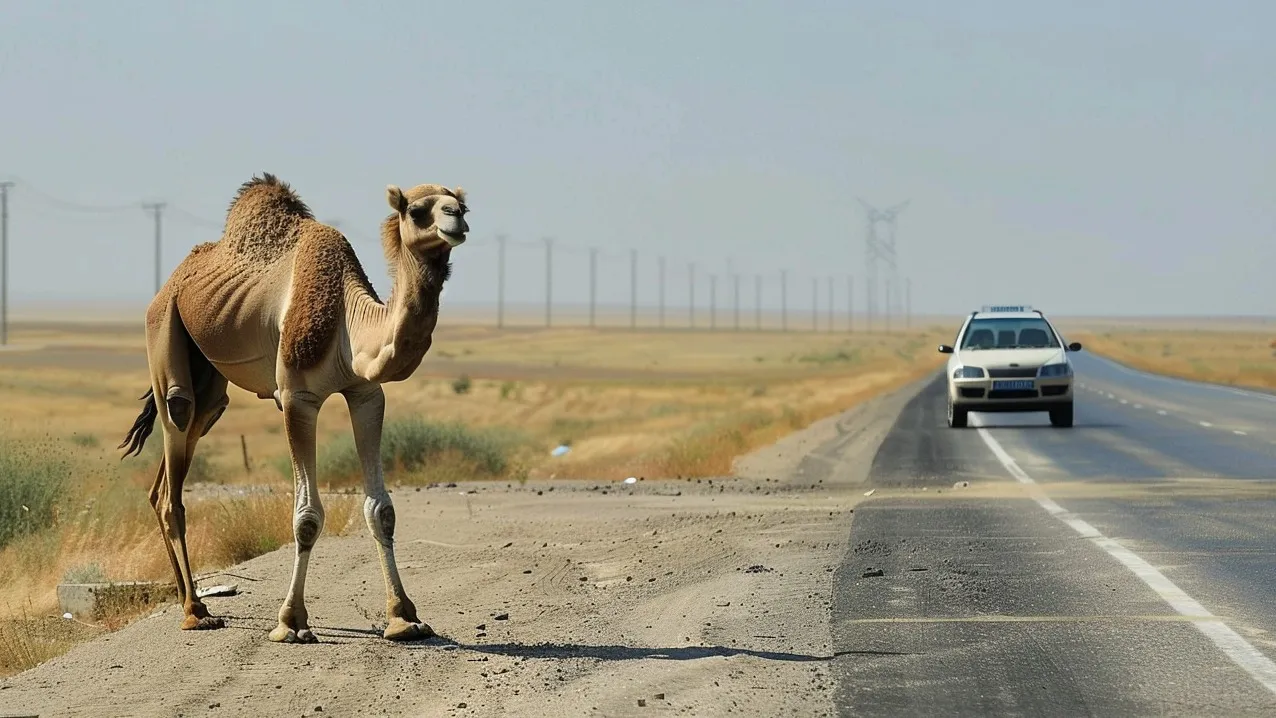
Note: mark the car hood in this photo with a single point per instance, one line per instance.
(995, 358)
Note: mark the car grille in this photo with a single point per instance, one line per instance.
(1013, 372)
(1013, 394)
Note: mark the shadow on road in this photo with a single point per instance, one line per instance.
(630, 653)
(1074, 427)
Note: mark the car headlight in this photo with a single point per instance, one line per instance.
(968, 372)
(1062, 369)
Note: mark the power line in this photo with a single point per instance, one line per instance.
(71, 206)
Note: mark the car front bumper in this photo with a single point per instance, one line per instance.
(1010, 395)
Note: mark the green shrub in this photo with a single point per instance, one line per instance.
(415, 448)
(33, 482)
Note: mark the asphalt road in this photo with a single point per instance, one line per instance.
(1136, 579)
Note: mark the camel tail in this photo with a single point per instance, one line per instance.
(142, 427)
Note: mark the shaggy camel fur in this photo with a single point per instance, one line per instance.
(282, 308)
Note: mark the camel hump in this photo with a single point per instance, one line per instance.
(267, 195)
(265, 217)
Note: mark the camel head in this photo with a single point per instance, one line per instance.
(430, 216)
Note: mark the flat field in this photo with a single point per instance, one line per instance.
(1236, 354)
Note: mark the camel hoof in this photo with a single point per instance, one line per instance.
(205, 623)
(402, 630)
(284, 634)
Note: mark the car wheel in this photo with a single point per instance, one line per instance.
(956, 416)
(1061, 417)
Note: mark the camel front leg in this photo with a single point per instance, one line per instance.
(367, 411)
(301, 414)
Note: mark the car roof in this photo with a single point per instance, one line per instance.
(1007, 315)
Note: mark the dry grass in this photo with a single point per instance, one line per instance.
(623, 399)
(26, 642)
(1237, 358)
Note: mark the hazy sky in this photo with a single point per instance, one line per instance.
(1086, 157)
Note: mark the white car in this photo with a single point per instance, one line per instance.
(1009, 359)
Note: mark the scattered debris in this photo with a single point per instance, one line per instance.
(503, 617)
(219, 590)
(631, 480)
(642, 703)
(873, 573)
(961, 485)
(560, 450)
(758, 568)
(869, 492)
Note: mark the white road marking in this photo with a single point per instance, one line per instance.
(1162, 412)
(1238, 432)
(1111, 396)
(1205, 424)
(1231, 643)
(1123, 401)
(1138, 406)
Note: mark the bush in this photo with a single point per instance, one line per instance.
(462, 385)
(33, 482)
(426, 450)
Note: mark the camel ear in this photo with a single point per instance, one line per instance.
(460, 194)
(394, 196)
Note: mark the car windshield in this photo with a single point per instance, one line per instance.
(1008, 333)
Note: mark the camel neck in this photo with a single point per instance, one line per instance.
(405, 323)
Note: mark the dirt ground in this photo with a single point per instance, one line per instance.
(700, 597)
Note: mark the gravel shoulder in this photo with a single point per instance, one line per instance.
(658, 598)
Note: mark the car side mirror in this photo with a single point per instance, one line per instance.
(945, 349)
(1074, 347)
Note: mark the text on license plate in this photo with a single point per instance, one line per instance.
(1012, 385)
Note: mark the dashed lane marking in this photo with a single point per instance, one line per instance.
(1231, 643)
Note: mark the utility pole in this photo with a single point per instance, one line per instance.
(661, 268)
(157, 210)
(593, 284)
(888, 308)
(830, 283)
(713, 302)
(815, 304)
(4, 262)
(784, 300)
(500, 281)
(549, 278)
(735, 279)
(850, 304)
(633, 289)
(691, 293)
(908, 303)
(757, 301)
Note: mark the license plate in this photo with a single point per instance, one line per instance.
(1017, 385)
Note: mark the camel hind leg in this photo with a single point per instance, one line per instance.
(189, 396)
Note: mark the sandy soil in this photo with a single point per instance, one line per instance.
(658, 598)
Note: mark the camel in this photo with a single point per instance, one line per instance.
(281, 307)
